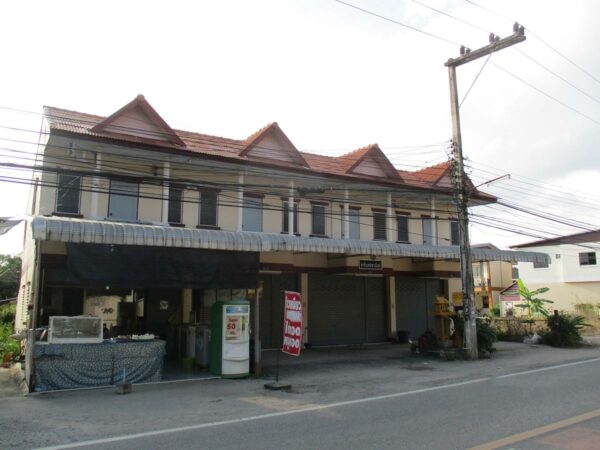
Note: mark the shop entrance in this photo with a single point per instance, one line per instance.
(414, 304)
(346, 309)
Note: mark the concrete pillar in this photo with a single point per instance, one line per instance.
(95, 187)
(166, 173)
(389, 223)
(434, 231)
(240, 196)
(291, 206)
(187, 305)
(346, 216)
(304, 293)
(391, 306)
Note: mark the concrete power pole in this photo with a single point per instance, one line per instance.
(462, 190)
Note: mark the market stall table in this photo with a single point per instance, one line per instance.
(68, 366)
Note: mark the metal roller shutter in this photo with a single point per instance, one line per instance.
(346, 310)
(414, 303)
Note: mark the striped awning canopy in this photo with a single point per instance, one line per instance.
(104, 232)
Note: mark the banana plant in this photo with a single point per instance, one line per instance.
(535, 306)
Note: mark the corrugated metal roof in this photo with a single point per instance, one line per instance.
(7, 224)
(101, 232)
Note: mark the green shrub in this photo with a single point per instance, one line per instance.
(486, 336)
(7, 314)
(7, 344)
(564, 330)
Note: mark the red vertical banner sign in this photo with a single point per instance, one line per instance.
(292, 323)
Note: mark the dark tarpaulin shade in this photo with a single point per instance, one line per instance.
(129, 266)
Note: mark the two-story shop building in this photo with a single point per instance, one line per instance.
(147, 226)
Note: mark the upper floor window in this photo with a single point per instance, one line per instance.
(379, 226)
(68, 193)
(175, 203)
(587, 259)
(454, 232)
(428, 231)
(252, 214)
(123, 200)
(318, 220)
(208, 208)
(286, 217)
(402, 225)
(354, 223)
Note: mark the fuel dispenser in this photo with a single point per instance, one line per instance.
(230, 342)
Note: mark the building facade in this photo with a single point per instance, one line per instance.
(147, 227)
(572, 272)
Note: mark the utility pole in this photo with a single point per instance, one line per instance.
(462, 190)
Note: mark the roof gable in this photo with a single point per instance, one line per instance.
(370, 161)
(270, 143)
(138, 118)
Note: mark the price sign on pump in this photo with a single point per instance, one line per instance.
(292, 323)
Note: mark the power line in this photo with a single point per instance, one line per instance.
(562, 55)
(410, 27)
(532, 182)
(517, 49)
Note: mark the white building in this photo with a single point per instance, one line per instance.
(573, 274)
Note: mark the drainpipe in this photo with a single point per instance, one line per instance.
(291, 206)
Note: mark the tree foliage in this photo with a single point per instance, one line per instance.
(10, 272)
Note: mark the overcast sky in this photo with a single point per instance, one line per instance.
(335, 79)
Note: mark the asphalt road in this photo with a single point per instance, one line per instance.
(449, 407)
(454, 416)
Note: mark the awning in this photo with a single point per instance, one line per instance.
(134, 266)
(7, 224)
(103, 232)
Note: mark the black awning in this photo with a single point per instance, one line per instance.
(129, 266)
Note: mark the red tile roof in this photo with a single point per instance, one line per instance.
(83, 124)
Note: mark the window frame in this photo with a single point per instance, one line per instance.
(540, 266)
(251, 203)
(171, 204)
(112, 195)
(453, 224)
(202, 205)
(314, 215)
(426, 237)
(589, 256)
(405, 217)
(285, 217)
(380, 214)
(353, 220)
(59, 210)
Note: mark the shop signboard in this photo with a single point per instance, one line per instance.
(365, 264)
(292, 323)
